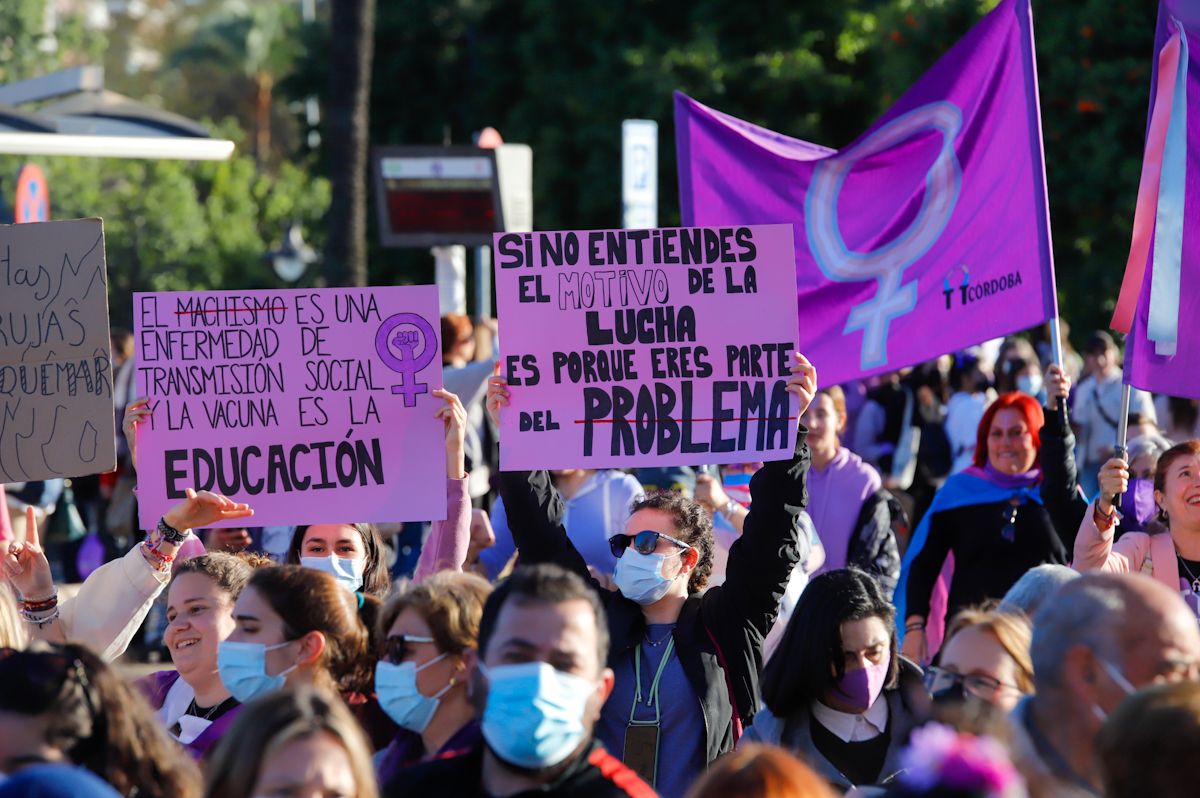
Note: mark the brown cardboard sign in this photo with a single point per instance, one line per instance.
(56, 397)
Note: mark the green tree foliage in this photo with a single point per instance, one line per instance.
(561, 76)
(170, 225)
(177, 225)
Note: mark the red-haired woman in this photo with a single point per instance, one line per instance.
(999, 518)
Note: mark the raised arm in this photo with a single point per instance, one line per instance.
(448, 542)
(1060, 482)
(1094, 549)
(533, 505)
(739, 613)
(114, 600)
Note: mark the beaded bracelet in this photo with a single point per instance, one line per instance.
(41, 622)
(40, 605)
(162, 562)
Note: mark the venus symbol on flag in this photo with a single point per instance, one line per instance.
(885, 264)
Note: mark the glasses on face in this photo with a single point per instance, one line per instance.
(979, 685)
(644, 542)
(396, 647)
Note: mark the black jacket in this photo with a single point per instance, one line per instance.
(719, 634)
(873, 546)
(986, 564)
(908, 707)
(598, 774)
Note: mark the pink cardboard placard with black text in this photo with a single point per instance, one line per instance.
(647, 347)
(311, 405)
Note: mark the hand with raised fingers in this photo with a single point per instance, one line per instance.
(803, 381)
(138, 411)
(205, 509)
(454, 416)
(26, 565)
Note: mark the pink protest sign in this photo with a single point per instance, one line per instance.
(647, 347)
(313, 406)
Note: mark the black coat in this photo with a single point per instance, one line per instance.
(719, 634)
(986, 565)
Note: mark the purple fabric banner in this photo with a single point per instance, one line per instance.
(929, 233)
(1170, 285)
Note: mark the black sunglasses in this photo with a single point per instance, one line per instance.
(396, 646)
(644, 542)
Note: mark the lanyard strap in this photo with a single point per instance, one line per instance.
(652, 698)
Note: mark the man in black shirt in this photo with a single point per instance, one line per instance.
(538, 689)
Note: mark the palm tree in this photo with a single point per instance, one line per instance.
(252, 36)
(351, 49)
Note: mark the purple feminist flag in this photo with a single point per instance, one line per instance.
(927, 234)
(1161, 288)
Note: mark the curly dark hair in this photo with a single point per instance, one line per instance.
(96, 720)
(229, 572)
(693, 525)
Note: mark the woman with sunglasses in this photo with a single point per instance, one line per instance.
(985, 658)
(686, 661)
(430, 635)
(1018, 507)
(63, 704)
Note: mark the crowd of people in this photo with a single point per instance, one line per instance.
(956, 586)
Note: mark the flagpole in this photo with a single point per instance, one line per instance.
(1122, 450)
(1057, 353)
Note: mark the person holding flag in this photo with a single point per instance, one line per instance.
(1018, 506)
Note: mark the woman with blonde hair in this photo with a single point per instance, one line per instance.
(760, 771)
(985, 657)
(293, 742)
(430, 634)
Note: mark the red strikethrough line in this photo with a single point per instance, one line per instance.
(676, 420)
(226, 310)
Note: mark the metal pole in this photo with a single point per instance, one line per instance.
(1122, 450)
(1056, 349)
(483, 282)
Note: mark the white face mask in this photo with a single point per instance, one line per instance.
(348, 573)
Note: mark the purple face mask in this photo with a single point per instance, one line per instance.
(860, 687)
(1137, 505)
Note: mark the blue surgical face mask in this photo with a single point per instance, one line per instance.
(396, 688)
(1030, 384)
(348, 573)
(534, 713)
(243, 669)
(639, 576)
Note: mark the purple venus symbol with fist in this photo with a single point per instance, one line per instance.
(397, 342)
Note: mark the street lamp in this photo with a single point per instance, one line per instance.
(293, 257)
